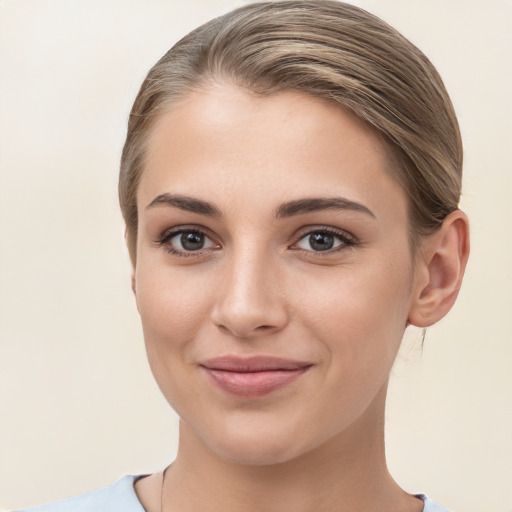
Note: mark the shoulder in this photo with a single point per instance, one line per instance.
(118, 497)
(431, 506)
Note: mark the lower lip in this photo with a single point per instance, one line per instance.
(253, 384)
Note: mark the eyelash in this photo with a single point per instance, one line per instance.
(164, 239)
(347, 241)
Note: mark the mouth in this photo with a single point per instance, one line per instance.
(254, 376)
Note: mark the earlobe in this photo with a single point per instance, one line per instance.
(134, 288)
(441, 268)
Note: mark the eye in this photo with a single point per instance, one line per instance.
(189, 241)
(324, 240)
(184, 242)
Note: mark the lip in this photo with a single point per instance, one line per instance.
(255, 376)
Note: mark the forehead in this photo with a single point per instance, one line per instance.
(225, 140)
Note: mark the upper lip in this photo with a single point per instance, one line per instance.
(252, 364)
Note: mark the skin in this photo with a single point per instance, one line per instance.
(259, 287)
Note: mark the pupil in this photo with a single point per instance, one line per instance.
(192, 241)
(321, 241)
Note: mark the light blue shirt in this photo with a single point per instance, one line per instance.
(121, 497)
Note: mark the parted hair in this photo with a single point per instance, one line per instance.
(327, 49)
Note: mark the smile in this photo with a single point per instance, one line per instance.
(252, 377)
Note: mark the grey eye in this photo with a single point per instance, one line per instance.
(319, 242)
(188, 241)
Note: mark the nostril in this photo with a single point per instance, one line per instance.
(243, 332)
(224, 329)
(264, 328)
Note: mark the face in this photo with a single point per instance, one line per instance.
(273, 273)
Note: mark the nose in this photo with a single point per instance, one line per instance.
(250, 302)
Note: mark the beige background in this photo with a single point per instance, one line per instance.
(78, 406)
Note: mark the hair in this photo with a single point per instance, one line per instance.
(326, 49)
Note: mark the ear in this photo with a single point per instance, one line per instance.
(128, 242)
(439, 271)
(134, 289)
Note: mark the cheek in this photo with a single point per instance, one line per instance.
(360, 314)
(172, 309)
(172, 306)
(358, 326)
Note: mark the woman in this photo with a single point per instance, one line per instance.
(290, 184)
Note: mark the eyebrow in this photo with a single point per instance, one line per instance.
(316, 204)
(189, 204)
(298, 207)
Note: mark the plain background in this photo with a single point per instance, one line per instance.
(78, 406)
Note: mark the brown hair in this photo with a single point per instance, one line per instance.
(326, 49)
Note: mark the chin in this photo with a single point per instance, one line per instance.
(256, 444)
(260, 453)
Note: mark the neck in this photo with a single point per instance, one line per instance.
(346, 473)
